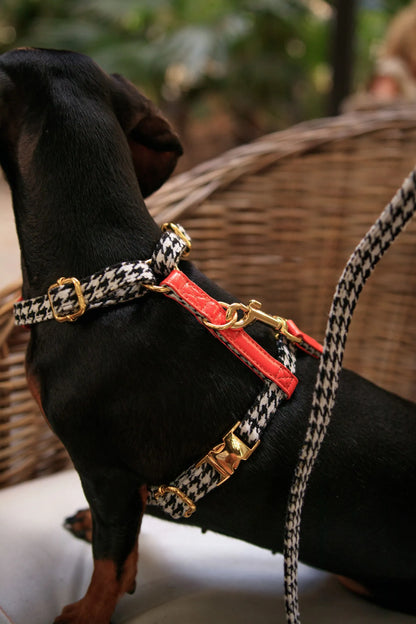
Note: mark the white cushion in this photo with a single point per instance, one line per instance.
(184, 576)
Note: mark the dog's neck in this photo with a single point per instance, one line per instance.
(84, 220)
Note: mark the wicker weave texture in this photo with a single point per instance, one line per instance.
(274, 220)
(28, 448)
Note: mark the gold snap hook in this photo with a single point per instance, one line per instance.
(238, 316)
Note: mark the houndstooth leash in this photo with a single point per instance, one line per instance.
(358, 269)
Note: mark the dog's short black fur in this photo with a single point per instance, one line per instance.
(140, 391)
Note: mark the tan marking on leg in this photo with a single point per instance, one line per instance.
(34, 387)
(353, 586)
(106, 587)
(33, 383)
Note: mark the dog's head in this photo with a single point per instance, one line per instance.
(41, 91)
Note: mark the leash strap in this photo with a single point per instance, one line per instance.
(358, 269)
(116, 284)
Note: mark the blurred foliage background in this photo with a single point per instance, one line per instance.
(224, 71)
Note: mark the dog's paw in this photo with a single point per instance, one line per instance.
(78, 613)
(132, 588)
(80, 525)
(69, 615)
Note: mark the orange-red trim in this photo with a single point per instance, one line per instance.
(295, 331)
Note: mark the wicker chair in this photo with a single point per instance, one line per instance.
(274, 220)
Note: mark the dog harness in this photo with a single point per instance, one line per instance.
(69, 298)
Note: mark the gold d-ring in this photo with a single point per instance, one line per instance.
(179, 234)
(230, 322)
(156, 288)
(165, 489)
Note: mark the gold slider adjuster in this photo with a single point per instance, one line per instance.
(82, 306)
(226, 456)
(165, 489)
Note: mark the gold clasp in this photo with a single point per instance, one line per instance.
(164, 489)
(226, 456)
(239, 315)
(82, 306)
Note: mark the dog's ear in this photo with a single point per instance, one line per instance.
(6, 90)
(155, 147)
(155, 150)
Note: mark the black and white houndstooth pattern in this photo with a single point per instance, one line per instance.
(359, 267)
(112, 285)
(199, 480)
(168, 250)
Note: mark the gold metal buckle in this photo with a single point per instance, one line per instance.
(239, 315)
(181, 235)
(226, 456)
(164, 489)
(81, 301)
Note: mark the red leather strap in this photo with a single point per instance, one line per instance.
(238, 341)
(307, 343)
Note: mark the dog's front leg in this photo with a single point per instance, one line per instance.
(117, 506)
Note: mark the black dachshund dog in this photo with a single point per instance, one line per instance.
(141, 390)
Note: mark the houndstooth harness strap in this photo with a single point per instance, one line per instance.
(179, 498)
(69, 298)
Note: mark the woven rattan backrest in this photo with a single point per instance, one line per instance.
(28, 448)
(274, 220)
